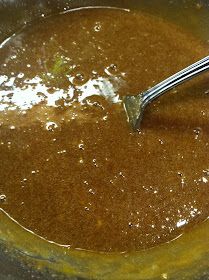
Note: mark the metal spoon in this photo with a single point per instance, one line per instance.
(135, 105)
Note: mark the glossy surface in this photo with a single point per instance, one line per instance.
(75, 173)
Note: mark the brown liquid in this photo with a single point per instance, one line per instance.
(71, 169)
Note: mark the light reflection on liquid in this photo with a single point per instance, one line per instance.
(34, 91)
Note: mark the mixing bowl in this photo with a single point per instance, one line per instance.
(24, 255)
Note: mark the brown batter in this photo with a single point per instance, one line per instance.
(71, 169)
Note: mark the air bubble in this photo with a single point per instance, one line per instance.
(79, 76)
(34, 171)
(3, 198)
(79, 79)
(81, 146)
(91, 191)
(20, 75)
(51, 126)
(206, 172)
(197, 132)
(180, 174)
(97, 27)
(161, 141)
(105, 118)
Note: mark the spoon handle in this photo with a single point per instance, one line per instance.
(178, 78)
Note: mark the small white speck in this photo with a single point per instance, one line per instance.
(23, 112)
(20, 75)
(62, 152)
(181, 223)
(165, 276)
(204, 180)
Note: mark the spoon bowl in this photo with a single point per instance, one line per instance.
(134, 105)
